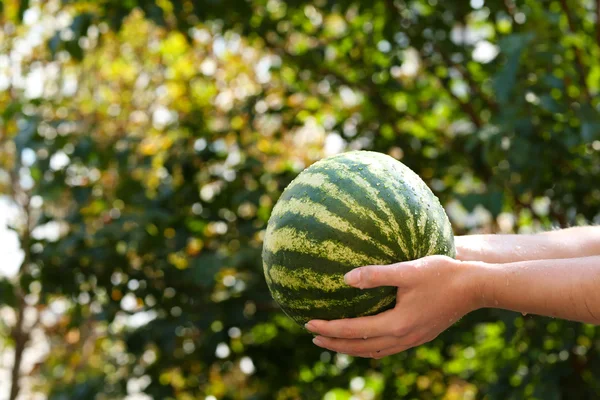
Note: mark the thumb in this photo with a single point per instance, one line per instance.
(378, 275)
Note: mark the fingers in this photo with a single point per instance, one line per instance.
(356, 346)
(382, 324)
(383, 353)
(371, 348)
(400, 274)
(375, 347)
(377, 275)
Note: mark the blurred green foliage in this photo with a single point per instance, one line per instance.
(153, 137)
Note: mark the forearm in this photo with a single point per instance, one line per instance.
(562, 288)
(565, 243)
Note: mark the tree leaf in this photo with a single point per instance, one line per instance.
(505, 80)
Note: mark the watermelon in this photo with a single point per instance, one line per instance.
(353, 209)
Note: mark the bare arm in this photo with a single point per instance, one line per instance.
(565, 243)
(563, 288)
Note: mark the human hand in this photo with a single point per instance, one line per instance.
(433, 293)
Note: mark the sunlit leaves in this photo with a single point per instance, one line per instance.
(162, 145)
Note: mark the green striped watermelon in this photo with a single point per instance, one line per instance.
(353, 209)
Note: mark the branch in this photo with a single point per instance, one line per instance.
(578, 58)
(18, 334)
(391, 7)
(510, 8)
(20, 337)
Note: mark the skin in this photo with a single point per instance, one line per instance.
(551, 274)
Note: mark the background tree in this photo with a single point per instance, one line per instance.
(144, 144)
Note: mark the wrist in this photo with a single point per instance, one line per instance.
(479, 283)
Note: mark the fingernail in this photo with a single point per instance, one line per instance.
(317, 341)
(353, 277)
(309, 325)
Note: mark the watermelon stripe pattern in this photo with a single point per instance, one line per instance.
(353, 209)
(317, 185)
(310, 209)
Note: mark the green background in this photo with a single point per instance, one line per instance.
(143, 145)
